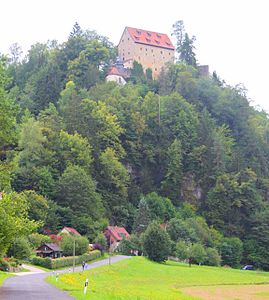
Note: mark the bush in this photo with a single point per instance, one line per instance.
(65, 261)
(20, 249)
(4, 265)
(157, 243)
(213, 257)
(42, 262)
(67, 244)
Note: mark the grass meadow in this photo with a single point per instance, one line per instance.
(140, 279)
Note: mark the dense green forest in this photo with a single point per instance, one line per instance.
(185, 150)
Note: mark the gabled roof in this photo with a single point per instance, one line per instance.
(71, 230)
(150, 38)
(114, 71)
(52, 246)
(118, 232)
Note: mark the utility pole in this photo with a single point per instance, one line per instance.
(74, 254)
(159, 112)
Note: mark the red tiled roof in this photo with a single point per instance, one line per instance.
(150, 38)
(118, 232)
(114, 71)
(71, 230)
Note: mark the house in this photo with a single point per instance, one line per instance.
(49, 250)
(151, 49)
(118, 73)
(69, 231)
(114, 235)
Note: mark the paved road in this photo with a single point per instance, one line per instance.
(33, 287)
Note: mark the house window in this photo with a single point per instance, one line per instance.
(169, 53)
(146, 49)
(155, 69)
(138, 57)
(161, 52)
(122, 40)
(128, 52)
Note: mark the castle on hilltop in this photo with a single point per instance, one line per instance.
(151, 49)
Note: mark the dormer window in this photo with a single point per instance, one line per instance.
(157, 42)
(158, 36)
(169, 44)
(138, 32)
(148, 33)
(148, 40)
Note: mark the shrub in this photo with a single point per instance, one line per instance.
(4, 265)
(20, 249)
(65, 261)
(67, 244)
(42, 262)
(213, 257)
(157, 243)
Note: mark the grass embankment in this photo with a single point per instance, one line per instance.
(138, 278)
(4, 276)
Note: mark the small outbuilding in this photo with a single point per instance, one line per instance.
(49, 250)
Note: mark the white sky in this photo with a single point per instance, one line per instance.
(232, 35)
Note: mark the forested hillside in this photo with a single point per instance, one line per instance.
(86, 153)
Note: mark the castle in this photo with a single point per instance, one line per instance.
(151, 49)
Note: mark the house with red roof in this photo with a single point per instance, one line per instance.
(151, 49)
(69, 230)
(114, 235)
(118, 73)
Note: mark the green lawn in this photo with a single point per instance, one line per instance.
(4, 276)
(138, 278)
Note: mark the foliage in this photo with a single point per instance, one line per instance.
(157, 244)
(20, 249)
(231, 251)
(37, 239)
(65, 261)
(14, 221)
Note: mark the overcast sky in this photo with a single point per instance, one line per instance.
(231, 35)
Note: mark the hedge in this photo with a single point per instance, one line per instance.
(65, 261)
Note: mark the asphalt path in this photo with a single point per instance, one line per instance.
(32, 286)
